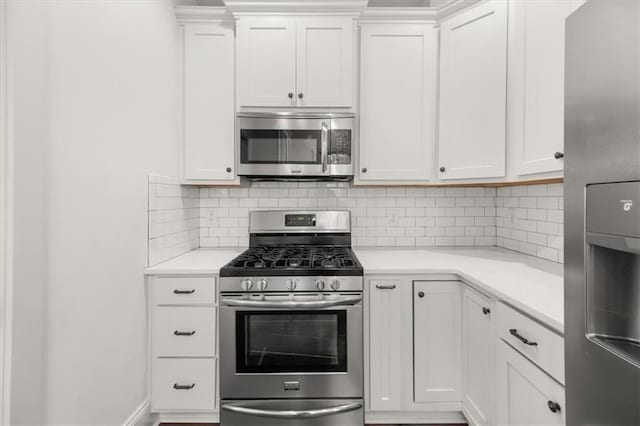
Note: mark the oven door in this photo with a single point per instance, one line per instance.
(296, 412)
(286, 346)
(283, 146)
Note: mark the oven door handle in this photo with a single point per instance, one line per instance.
(313, 304)
(290, 414)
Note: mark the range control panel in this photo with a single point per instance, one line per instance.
(300, 220)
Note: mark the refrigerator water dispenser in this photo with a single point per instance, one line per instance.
(613, 268)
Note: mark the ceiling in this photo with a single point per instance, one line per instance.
(372, 3)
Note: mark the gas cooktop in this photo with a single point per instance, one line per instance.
(293, 260)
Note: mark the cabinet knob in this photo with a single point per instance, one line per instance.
(442, 169)
(558, 155)
(364, 170)
(290, 95)
(553, 406)
(486, 311)
(228, 169)
(421, 294)
(300, 95)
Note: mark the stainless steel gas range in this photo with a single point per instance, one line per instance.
(291, 339)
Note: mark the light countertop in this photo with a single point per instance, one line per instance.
(533, 285)
(199, 261)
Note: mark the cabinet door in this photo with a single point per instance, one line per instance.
(473, 80)
(526, 395)
(536, 84)
(208, 147)
(478, 357)
(385, 339)
(266, 62)
(325, 62)
(437, 340)
(397, 101)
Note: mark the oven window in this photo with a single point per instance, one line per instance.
(286, 341)
(280, 146)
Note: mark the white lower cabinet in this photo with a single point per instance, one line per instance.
(386, 343)
(183, 337)
(183, 384)
(437, 353)
(436, 340)
(526, 395)
(184, 331)
(478, 357)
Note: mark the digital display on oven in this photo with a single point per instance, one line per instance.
(300, 220)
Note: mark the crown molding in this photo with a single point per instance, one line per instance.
(452, 7)
(415, 14)
(194, 14)
(395, 14)
(236, 8)
(328, 7)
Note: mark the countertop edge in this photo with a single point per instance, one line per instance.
(479, 285)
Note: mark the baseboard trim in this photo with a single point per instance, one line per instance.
(141, 415)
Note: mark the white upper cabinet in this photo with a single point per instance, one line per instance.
(207, 149)
(478, 358)
(267, 61)
(295, 61)
(473, 67)
(398, 81)
(437, 340)
(325, 62)
(536, 84)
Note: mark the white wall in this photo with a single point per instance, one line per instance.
(105, 115)
(113, 120)
(27, 265)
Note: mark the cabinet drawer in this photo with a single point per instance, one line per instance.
(183, 384)
(541, 345)
(525, 394)
(184, 331)
(184, 290)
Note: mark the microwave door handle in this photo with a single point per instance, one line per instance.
(324, 146)
(291, 414)
(313, 304)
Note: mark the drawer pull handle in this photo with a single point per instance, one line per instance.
(553, 406)
(515, 334)
(385, 286)
(486, 311)
(183, 387)
(184, 333)
(176, 291)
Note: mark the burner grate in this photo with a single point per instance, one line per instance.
(320, 257)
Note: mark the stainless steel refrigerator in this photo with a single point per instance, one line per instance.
(602, 214)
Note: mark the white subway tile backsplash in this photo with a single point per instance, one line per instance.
(535, 227)
(404, 217)
(174, 218)
(522, 218)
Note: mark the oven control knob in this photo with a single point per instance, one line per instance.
(246, 285)
(320, 284)
(335, 285)
(262, 285)
(291, 285)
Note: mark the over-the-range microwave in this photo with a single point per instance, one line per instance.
(295, 145)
